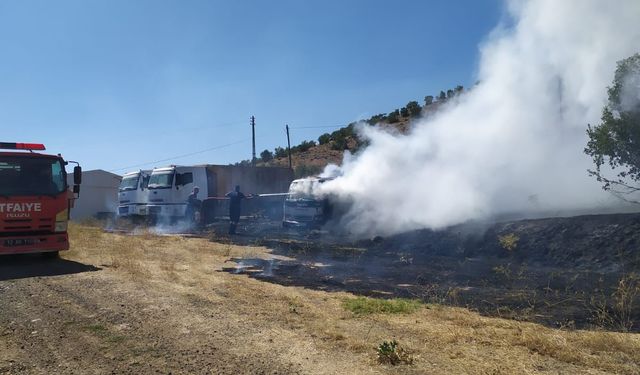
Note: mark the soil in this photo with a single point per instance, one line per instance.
(96, 322)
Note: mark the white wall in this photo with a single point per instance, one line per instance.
(98, 194)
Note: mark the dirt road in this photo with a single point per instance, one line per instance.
(150, 304)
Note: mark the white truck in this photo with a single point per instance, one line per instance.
(302, 208)
(169, 188)
(133, 194)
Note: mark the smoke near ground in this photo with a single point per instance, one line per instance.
(513, 143)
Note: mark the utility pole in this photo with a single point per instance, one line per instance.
(253, 138)
(289, 146)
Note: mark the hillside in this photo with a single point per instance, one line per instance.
(310, 157)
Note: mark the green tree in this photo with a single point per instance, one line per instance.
(442, 96)
(304, 146)
(458, 90)
(428, 100)
(414, 108)
(266, 156)
(449, 94)
(616, 140)
(325, 138)
(375, 119)
(280, 152)
(404, 112)
(340, 144)
(394, 116)
(244, 163)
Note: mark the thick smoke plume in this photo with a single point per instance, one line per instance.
(512, 144)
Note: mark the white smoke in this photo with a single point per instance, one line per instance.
(514, 143)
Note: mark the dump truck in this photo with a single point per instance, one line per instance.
(35, 199)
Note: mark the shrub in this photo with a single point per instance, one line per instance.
(509, 241)
(391, 353)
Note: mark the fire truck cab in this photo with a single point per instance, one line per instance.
(35, 200)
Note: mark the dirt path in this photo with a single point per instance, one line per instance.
(99, 322)
(149, 304)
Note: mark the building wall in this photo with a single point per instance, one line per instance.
(98, 194)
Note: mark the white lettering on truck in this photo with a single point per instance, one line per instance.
(20, 207)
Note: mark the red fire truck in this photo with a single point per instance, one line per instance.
(34, 200)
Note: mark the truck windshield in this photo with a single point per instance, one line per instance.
(302, 189)
(129, 182)
(31, 175)
(161, 180)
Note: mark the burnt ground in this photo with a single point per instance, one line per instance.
(577, 272)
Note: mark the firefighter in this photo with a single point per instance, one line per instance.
(193, 205)
(235, 197)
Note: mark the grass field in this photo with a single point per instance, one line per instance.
(313, 331)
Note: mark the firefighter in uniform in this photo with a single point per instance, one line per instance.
(235, 199)
(193, 206)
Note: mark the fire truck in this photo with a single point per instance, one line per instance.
(35, 200)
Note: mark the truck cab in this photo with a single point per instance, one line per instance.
(169, 189)
(302, 207)
(34, 200)
(133, 194)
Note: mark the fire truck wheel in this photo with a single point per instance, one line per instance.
(51, 255)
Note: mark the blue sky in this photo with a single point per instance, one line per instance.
(117, 83)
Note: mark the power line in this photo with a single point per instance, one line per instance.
(180, 156)
(317, 127)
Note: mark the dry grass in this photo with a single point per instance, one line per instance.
(301, 323)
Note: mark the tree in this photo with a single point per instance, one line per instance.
(375, 119)
(616, 140)
(458, 90)
(393, 116)
(428, 100)
(442, 96)
(304, 146)
(325, 138)
(404, 112)
(449, 94)
(280, 152)
(244, 163)
(414, 108)
(266, 156)
(340, 144)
